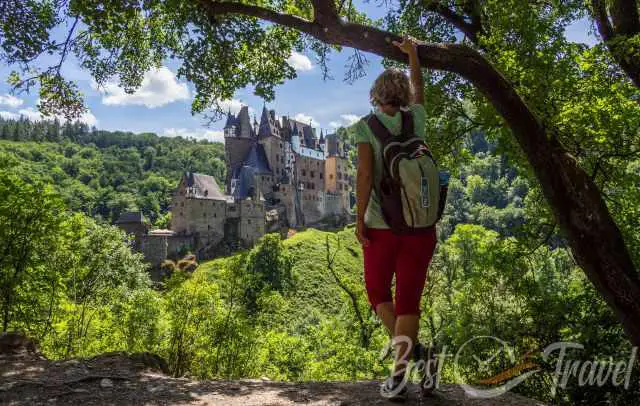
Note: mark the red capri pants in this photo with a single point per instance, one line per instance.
(406, 256)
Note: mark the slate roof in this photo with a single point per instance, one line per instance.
(268, 124)
(257, 158)
(231, 121)
(203, 186)
(244, 122)
(305, 131)
(241, 122)
(131, 217)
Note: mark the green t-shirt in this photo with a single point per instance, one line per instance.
(373, 216)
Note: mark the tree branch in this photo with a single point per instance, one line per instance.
(325, 12)
(216, 8)
(626, 24)
(470, 29)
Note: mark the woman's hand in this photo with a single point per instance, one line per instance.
(361, 233)
(408, 45)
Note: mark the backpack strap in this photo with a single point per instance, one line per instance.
(408, 129)
(378, 129)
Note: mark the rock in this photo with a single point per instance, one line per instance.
(7, 386)
(12, 343)
(106, 383)
(147, 360)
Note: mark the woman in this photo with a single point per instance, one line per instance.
(386, 254)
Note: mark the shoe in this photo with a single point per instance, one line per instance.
(429, 381)
(394, 389)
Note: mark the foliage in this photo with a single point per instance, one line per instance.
(33, 220)
(105, 173)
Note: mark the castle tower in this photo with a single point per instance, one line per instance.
(239, 137)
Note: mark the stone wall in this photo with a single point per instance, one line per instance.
(310, 173)
(154, 248)
(337, 176)
(252, 222)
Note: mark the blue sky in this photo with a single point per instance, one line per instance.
(162, 105)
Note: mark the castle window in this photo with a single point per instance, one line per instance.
(204, 214)
(277, 157)
(331, 177)
(304, 172)
(180, 214)
(313, 174)
(248, 221)
(214, 215)
(262, 177)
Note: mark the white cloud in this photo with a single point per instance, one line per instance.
(345, 120)
(349, 119)
(199, 134)
(299, 62)
(8, 115)
(159, 87)
(11, 101)
(306, 119)
(31, 114)
(34, 115)
(233, 105)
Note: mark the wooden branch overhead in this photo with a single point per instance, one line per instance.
(619, 21)
(470, 28)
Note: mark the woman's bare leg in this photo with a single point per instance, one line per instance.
(387, 315)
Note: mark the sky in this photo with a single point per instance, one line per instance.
(163, 104)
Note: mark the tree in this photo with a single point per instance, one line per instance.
(225, 46)
(32, 219)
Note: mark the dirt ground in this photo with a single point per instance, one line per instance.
(26, 378)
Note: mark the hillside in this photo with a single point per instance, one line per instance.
(103, 173)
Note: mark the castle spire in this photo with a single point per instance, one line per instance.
(230, 120)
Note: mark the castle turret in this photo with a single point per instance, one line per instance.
(268, 124)
(230, 126)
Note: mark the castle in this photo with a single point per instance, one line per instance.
(284, 162)
(279, 175)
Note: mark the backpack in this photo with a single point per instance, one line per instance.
(410, 194)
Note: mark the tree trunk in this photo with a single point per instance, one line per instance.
(576, 202)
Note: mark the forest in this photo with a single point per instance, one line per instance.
(291, 309)
(539, 242)
(102, 173)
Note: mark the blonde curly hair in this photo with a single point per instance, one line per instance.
(392, 87)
